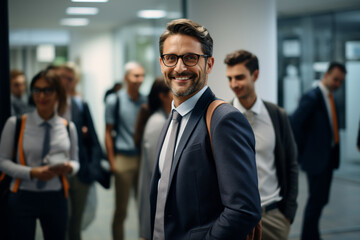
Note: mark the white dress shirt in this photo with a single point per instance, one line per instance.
(263, 128)
(184, 110)
(34, 134)
(325, 92)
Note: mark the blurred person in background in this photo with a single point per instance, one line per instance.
(19, 98)
(316, 130)
(121, 111)
(159, 105)
(46, 151)
(90, 151)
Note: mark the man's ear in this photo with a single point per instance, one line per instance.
(209, 64)
(255, 74)
(161, 64)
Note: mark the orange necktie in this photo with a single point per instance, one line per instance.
(334, 118)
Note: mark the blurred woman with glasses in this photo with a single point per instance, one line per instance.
(37, 157)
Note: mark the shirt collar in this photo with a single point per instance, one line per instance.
(189, 104)
(324, 89)
(256, 108)
(39, 120)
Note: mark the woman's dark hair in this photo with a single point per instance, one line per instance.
(54, 81)
(158, 87)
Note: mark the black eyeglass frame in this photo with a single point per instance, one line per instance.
(47, 91)
(182, 58)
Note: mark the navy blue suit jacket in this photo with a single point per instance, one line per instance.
(313, 134)
(90, 151)
(211, 196)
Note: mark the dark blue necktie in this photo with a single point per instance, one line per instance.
(45, 150)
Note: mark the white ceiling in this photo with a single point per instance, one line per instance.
(46, 14)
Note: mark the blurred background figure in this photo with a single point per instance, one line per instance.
(315, 123)
(159, 106)
(46, 152)
(19, 98)
(90, 151)
(121, 111)
(117, 86)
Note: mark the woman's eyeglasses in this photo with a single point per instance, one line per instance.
(47, 91)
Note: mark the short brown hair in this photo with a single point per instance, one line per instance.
(242, 56)
(14, 73)
(189, 28)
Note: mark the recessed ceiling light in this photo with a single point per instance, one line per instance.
(82, 11)
(74, 22)
(152, 14)
(89, 0)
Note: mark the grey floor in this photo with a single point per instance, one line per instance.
(340, 219)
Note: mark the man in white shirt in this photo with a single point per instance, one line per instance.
(275, 146)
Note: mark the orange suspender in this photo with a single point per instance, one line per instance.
(22, 159)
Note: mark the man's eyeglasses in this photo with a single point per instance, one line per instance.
(189, 59)
(47, 91)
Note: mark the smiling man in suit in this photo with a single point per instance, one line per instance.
(315, 126)
(198, 193)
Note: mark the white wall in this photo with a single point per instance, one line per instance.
(93, 52)
(240, 24)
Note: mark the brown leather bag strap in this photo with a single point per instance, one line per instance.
(255, 233)
(210, 112)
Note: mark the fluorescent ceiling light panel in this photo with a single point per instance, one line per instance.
(89, 0)
(45, 53)
(74, 22)
(82, 11)
(152, 14)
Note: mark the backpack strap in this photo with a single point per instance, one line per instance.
(209, 113)
(20, 151)
(116, 113)
(16, 139)
(255, 233)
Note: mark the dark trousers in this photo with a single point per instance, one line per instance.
(49, 207)
(319, 191)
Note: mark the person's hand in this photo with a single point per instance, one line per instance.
(62, 169)
(42, 173)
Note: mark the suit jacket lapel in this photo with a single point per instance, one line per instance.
(196, 114)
